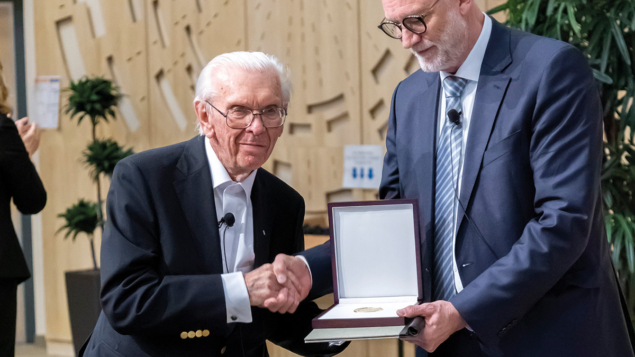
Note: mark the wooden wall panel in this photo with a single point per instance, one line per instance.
(384, 63)
(65, 177)
(319, 40)
(168, 59)
(182, 37)
(344, 71)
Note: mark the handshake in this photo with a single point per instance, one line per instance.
(281, 286)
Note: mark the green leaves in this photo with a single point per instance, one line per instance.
(102, 156)
(619, 39)
(94, 98)
(531, 14)
(602, 77)
(620, 230)
(82, 217)
(604, 30)
(618, 184)
(606, 50)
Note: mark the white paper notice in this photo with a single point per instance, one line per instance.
(47, 100)
(362, 166)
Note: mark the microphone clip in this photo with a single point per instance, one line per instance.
(454, 116)
(228, 219)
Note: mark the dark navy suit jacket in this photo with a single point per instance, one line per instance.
(539, 280)
(161, 262)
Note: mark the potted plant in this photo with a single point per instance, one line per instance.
(604, 30)
(93, 98)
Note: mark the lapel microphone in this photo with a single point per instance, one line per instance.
(228, 219)
(454, 117)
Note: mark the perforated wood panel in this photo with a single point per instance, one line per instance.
(320, 42)
(344, 71)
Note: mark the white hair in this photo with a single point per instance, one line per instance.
(250, 61)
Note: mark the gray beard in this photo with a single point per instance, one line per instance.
(436, 65)
(451, 46)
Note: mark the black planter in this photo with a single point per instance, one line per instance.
(82, 291)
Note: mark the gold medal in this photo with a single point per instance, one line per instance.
(368, 309)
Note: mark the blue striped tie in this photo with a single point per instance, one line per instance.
(447, 178)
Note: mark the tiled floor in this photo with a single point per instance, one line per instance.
(25, 350)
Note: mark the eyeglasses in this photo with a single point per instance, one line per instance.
(415, 24)
(242, 117)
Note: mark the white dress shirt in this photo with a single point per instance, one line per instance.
(470, 70)
(237, 242)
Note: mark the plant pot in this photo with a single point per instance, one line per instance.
(82, 291)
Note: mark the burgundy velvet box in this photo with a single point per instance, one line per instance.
(375, 251)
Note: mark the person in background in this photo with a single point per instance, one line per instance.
(19, 181)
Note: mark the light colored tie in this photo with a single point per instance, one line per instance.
(234, 201)
(447, 178)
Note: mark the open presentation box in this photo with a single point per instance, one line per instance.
(375, 252)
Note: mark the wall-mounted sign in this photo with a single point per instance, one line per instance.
(362, 166)
(47, 101)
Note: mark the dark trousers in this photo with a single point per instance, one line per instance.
(8, 308)
(462, 343)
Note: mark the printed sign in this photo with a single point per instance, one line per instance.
(47, 100)
(362, 166)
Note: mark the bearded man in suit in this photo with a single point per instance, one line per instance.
(499, 137)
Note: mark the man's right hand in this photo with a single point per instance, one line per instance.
(279, 287)
(293, 273)
(262, 284)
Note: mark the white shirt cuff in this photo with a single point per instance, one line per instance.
(307, 266)
(236, 298)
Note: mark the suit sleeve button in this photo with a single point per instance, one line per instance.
(184, 335)
(199, 333)
(205, 333)
(234, 318)
(191, 334)
(222, 350)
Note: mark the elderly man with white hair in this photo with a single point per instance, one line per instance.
(193, 227)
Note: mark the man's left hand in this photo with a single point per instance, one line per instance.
(442, 320)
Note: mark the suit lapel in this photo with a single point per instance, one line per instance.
(426, 124)
(492, 86)
(263, 220)
(429, 98)
(196, 196)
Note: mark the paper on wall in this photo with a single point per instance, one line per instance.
(362, 166)
(47, 101)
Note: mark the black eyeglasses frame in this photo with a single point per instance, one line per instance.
(420, 18)
(283, 113)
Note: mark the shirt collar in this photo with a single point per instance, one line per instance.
(220, 177)
(471, 68)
